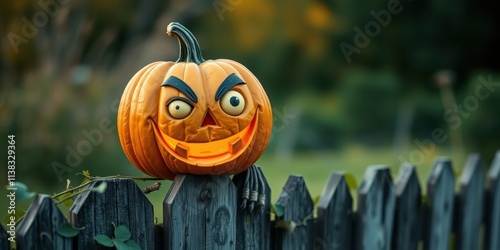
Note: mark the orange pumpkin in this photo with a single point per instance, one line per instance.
(193, 116)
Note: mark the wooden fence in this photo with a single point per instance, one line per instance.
(201, 212)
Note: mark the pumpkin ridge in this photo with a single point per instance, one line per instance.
(266, 117)
(124, 116)
(152, 153)
(136, 130)
(143, 111)
(249, 157)
(172, 168)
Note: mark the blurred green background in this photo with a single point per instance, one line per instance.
(352, 83)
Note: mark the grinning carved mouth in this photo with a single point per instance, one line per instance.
(208, 154)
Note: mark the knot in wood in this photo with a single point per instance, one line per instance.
(205, 195)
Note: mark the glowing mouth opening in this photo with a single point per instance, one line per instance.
(208, 154)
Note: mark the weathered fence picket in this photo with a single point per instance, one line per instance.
(492, 218)
(4, 238)
(38, 228)
(470, 205)
(203, 212)
(122, 203)
(375, 215)
(294, 209)
(408, 214)
(254, 230)
(158, 236)
(334, 223)
(439, 209)
(200, 213)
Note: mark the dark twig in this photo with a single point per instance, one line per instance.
(151, 188)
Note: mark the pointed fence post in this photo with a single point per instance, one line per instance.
(408, 215)
(253, 230)
(469, 205)
(334, 222)
(4, 238)
(439, 210)
(376, 203)
(122, 203)
(199, 212)
(492, 218)
(38, 228)
(294, 209)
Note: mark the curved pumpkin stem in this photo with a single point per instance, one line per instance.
(189, 47)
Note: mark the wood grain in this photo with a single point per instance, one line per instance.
(297, 207)
(38, 228)
(492, 218)
(334, 222)
(123, 203)
(439, 209)
(254, 230)
(375, 215)
(200, 213)
(469, 207)
(408, 214)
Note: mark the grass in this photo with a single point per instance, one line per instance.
(316, 167)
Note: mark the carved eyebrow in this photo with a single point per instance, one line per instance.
(182, 87)
(227, 84)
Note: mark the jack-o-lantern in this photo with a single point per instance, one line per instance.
(193, 116)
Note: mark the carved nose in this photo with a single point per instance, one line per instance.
(208, 120)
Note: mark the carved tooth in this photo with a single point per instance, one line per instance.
(235, 145)
(182, 150)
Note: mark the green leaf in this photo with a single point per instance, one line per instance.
(18, 214)
(6, 219)
(101, 188)
(316, 200)
(120, 245)
(104, 240)
(21, 191)
(132, 245)
(122, 233)
(67, 230)
(67, 202)
(86, 173)
(278, 210)
(351, 181)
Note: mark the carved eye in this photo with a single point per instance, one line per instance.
(179, 108)
(232, 103)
